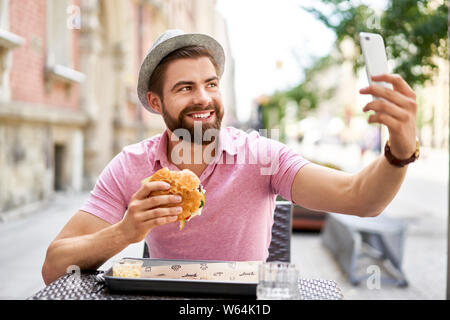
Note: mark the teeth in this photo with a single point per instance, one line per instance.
(201, 116)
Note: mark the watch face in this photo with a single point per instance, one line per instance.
(417, 153)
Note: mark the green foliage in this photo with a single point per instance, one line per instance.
(274, 110)
(305, 95)
(414, 31)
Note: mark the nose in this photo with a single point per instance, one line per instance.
(202, 97)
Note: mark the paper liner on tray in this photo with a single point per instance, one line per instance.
(242, 271)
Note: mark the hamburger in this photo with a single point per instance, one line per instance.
(186, 184)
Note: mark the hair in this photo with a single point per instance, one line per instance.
(157, 78)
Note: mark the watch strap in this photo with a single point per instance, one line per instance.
(397, 162)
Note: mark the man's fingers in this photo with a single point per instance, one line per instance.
(157, 217)
(397, 82)
(387, 107)
(160, 221)
(160, 213)
(385, 119)
(157, 201)
(390, 95)
(149, 187)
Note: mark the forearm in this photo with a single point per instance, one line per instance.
(87, 251)
(376, 186)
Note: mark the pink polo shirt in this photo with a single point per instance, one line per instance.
(241, 185)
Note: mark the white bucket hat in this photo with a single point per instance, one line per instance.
(168, 42)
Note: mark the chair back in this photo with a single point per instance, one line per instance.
(280, 245)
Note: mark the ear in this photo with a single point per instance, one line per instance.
(154, 101)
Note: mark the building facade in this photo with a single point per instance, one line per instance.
(68, 75)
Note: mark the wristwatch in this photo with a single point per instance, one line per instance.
(397, 162)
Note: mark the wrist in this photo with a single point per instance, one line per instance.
(401, 161)
(123, 236)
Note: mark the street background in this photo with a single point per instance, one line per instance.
(24, 240)
(68, 105)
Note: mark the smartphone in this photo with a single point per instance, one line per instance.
(374, 53)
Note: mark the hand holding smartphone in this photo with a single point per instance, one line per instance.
(374, 53)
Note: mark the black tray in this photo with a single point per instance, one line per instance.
(177, 286)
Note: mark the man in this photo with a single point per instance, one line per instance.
(179, 79)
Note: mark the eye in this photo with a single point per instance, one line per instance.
(187, 88)
(212, 85)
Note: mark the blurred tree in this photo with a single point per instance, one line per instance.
(306, 95)
(414, 31)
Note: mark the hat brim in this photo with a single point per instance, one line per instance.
(154, 57)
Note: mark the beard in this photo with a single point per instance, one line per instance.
(195, 136)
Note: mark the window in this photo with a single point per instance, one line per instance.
(59, 64)
(4, 12)
(8, 41)
(58, 36)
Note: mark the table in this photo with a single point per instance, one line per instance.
(89, 288)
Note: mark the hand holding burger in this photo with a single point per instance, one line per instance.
(165, 197)
(183, 183)
(145, 212)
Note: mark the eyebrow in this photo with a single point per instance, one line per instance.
(183, 82)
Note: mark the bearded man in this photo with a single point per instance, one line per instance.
(179, 79)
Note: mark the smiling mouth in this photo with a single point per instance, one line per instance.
(201, 116)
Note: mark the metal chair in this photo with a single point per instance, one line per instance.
(280, 245)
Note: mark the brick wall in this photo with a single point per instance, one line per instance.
(27, 77)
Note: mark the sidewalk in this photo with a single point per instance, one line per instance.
(24, 242)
